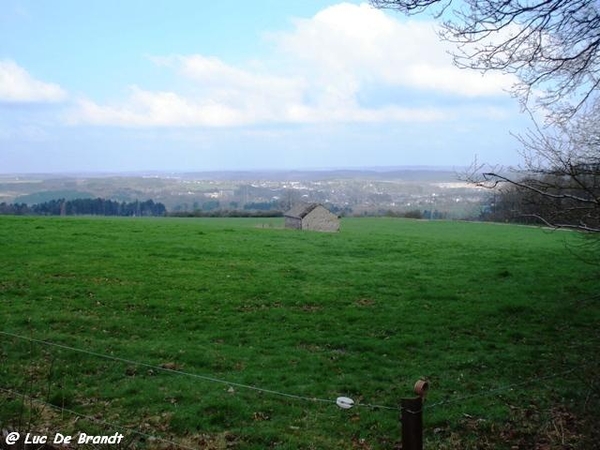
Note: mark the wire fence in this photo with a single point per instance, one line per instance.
(252, 388)
(501, 389)
(196, 376)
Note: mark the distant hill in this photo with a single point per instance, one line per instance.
(46, 196)
(401, 173)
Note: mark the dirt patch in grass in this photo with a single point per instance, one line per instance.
(529, 428)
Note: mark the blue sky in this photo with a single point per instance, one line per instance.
(114, 85)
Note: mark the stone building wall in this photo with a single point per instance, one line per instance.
(320, 219)
(293, 222)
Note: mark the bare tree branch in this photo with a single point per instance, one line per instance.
(552, 46)
(559, 184)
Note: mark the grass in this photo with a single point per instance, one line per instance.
(363, 313)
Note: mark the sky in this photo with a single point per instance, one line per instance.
(187, 85)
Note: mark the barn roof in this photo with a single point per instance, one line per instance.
(301, 211)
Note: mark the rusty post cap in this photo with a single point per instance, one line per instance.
(421, 387)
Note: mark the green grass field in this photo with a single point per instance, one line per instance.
(503, 321)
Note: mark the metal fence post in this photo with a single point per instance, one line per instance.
(412, 418)
(412, 423)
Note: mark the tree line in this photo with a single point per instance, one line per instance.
(86, 206)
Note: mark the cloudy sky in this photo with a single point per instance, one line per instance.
(136, 85)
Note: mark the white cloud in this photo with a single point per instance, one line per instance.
(18, 86)
(322, 68)
(365, 44)
(145, 108)
(167, 109)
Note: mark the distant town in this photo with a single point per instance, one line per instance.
(412, 192)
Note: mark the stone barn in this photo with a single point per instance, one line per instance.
(313, 217)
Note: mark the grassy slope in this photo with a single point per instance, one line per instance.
(362, 313)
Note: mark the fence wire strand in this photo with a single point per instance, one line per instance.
(499, 390)
(197, 376)
(491, 392)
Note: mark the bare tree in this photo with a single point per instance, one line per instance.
(552, 46)
(559, 181)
